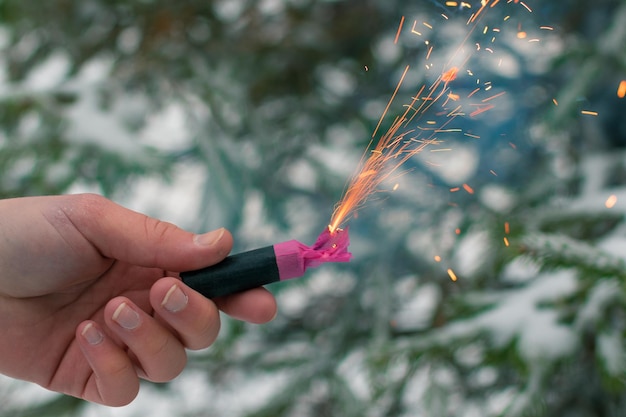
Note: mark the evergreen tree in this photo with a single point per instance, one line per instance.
(278, 98)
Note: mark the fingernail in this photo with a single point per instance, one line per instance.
(91, 334)
(175, 300)
(209, 238)
(126, 317)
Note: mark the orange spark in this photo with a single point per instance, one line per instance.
(556, 103)
(621, 90)
(589, 113)
(484, 4)
(506, 242)
(437, 258)
(399, 30)
(449, 75)
(522, 35)
(430, 50)
(414, 128)
(392, 146)
(507, 228)
(473, 92)
(481, 110)
(494, 97)
(469, 189)
(526, 6)
(393, 96)
(413, 29)
(452, 275)
(611, 201)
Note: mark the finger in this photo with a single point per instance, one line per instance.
(159, 355)
(114, 381)
(255, 306)
(123, 234)
(194, 317)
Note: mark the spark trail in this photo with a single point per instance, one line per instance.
(427, 116)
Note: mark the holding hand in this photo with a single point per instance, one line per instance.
(88, 305)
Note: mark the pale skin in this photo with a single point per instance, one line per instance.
(90, 298)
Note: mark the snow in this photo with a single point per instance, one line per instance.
(386, 52)
(302, 175)
(518, 315)
(50, 74)
(175, 201)
(454, 168)
(497, 198)
(592, 312)
(611, 352)
(88, 124)
(543, 339)
(418, 312)
(471, 249)
(520, 270)
(337, 80)
(129, 40)
(521, 315)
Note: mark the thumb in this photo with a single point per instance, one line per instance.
(123, 234)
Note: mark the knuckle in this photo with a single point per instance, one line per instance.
(158, 229)
(206, 330)
(81, 209)
(165, 351)
(88, 204)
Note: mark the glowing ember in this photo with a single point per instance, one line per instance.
(589, 113)
(469, 189)
(621, 90)
(399, 30)
(452, 275)
(449, 75)
(611, 201)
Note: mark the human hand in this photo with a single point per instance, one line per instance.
(87, 305)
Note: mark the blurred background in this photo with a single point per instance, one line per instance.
(254, 115)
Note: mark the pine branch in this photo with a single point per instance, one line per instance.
(559, 251)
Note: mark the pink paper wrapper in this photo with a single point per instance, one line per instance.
(294, 258)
